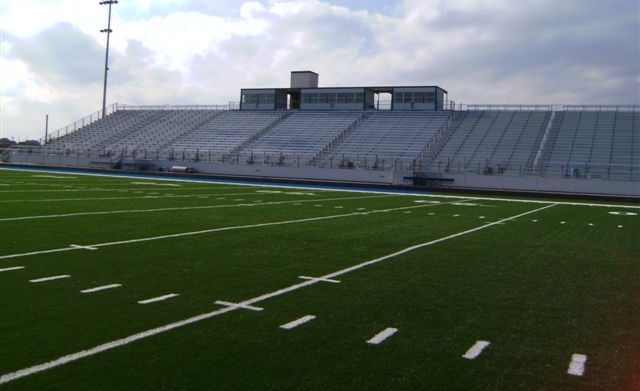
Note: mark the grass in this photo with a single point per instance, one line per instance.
(538, 291)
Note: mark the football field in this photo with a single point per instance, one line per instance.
(133, 283)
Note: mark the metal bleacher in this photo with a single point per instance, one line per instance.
(595, 144)
(385, 136)
(301, 135)
(503, 142)
(225, 132)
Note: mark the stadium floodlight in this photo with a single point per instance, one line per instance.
(106, 58)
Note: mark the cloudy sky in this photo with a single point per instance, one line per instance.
(204, 51)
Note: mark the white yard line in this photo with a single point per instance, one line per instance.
(101, 288)
(6, 378)
(155, 184)
(346, 190)
(45, 279)
(295, 323)
(381, 336)
(108, 212)
(238, 305)
(576, 366)
(9, 269)
(319, 279)
(191, 233)
(159, 298)
(476, 349)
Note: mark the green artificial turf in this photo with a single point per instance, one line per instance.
(539, 291)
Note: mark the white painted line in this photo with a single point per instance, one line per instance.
(619, 226)
(590, 224)
(362, 208)
(318, 279)
(101, 288)
(464, 204)
(428, 201)
(576, 366)
(44, 279)
(431, 214)
(269, 191)
(54, 176)
(63, 360)
(8, 269)
(238, 305)
(79, 247)
(159, 298)
(476, 349)
(297, 322)
(481, 217)
(623, 213)
(339, 207)
(155, 184)
(456, 215)
(317, 205)
(171, 209)
(407, 212)
(208, 231)
(563, 222)
(534, 221)
(381, 336)
(334, 189)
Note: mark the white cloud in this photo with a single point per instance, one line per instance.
(193, 51)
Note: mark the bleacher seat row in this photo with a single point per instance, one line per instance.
(595, 144)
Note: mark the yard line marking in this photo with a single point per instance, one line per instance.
(576, 366)
(167, 196)
(476, 349)
(101, 288)
(79, 247)
(563, 222)
(381, 336)
(45, 279)
(159, 298)
(619, 226)
(108, 212)
(238, 305)
(329, 189)
(54, 176)
(295, 323)
(229, 228)
(155, 184)
(8, 269)
(63, 360)
(318, 279)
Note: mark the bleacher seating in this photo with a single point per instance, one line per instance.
(225, 132)
(492, 142)
(594, 144)
(386, 136)
(302, 135)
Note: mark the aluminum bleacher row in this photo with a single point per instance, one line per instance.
(595, 144)
(503, 142)
(585, 144)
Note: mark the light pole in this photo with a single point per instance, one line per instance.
(106, 57)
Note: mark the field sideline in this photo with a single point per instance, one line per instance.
(157, 283)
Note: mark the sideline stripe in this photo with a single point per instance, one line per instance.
(44, 279)
(230, 228)
(6, 378)
(576, 366)
(476, 349)
(8, 269)
(101, 288)
(381, 336)
(79, 247)
(323, 188)
(295, 323)
(159, 298)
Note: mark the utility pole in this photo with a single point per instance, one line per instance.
(106, 57)
(46, 129)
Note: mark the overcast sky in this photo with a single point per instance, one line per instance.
(204, 51)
